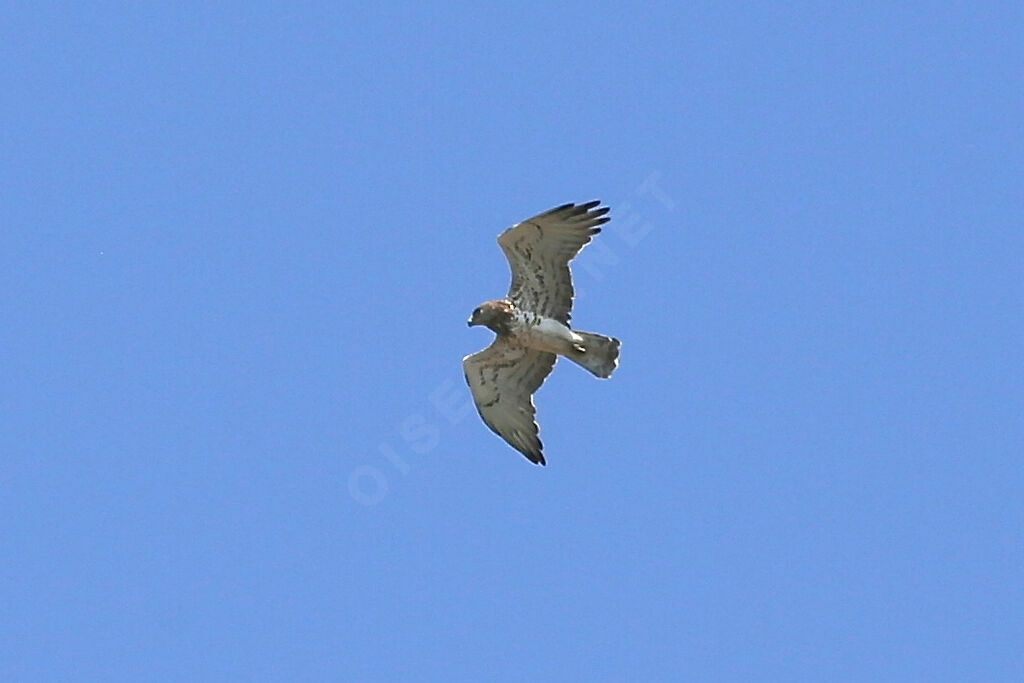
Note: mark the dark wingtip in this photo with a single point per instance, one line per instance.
(563, 207)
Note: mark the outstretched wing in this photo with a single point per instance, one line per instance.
(539, 250)
(503, 378)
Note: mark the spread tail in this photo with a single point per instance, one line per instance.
(600, 354)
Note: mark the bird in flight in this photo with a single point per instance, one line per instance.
(532, 324)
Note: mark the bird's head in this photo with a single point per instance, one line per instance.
(474, 318)
(491, 314)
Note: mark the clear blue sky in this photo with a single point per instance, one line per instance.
(239, 245)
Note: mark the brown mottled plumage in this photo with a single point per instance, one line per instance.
(532, 324)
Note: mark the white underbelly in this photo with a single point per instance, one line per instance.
(549, 335)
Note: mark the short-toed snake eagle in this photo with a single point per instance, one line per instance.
(532, 324)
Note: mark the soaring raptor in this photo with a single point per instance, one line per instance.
(532, 324)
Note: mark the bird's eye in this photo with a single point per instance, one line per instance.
(476, 312)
